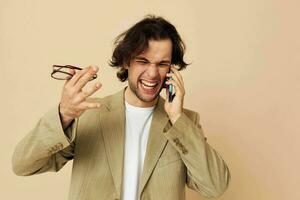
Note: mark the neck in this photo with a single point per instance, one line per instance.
(132, 99)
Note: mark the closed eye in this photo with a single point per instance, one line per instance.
(164, 64)
(142, 62)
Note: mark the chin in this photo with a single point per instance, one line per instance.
(147, 98)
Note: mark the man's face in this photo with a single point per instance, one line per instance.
(147, 72)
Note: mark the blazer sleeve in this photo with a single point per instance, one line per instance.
(207, 173)
(46, 148)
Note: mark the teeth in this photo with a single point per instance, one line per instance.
(146, 83)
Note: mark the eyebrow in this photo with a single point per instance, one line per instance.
(145, 59)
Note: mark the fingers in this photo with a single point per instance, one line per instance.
(73, 100)
(89, 105)
(179, 90)
(176, 76)
(84, 94)
(68, 79)
(177, 73)
(72, 71)
(83, 76)
(176, 81)
(77, 76)
(84, 79)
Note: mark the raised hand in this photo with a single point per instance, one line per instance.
(73, 99)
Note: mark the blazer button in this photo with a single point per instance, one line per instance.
(60, 145)
(184, 151)
(180, 145)
(57, 147)
(176, 140)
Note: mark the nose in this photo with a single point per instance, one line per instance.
(152, 70)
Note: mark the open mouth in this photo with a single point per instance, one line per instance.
(149, 87)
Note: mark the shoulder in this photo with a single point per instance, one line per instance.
(193, 115)
(106, 104)
(90, 117)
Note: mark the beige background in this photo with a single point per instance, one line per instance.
(244, 81)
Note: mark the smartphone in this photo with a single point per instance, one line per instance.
(170, 88)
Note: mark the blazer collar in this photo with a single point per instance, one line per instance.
(116, 101)
(156, 142)
(112, 125)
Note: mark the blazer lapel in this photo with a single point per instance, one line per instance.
(113, 131)
(156, 142)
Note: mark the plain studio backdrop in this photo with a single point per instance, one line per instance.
(243, 80)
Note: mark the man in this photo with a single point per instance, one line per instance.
(134, 144)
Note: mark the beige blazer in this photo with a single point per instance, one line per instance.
(176, 155)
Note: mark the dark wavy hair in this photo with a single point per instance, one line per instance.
(135, 40)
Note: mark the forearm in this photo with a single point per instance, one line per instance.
(207, 172)
(45, 148)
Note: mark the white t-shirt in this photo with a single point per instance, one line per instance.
(138, 121)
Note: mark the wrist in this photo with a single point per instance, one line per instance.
(174, 118)
(64, 119)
